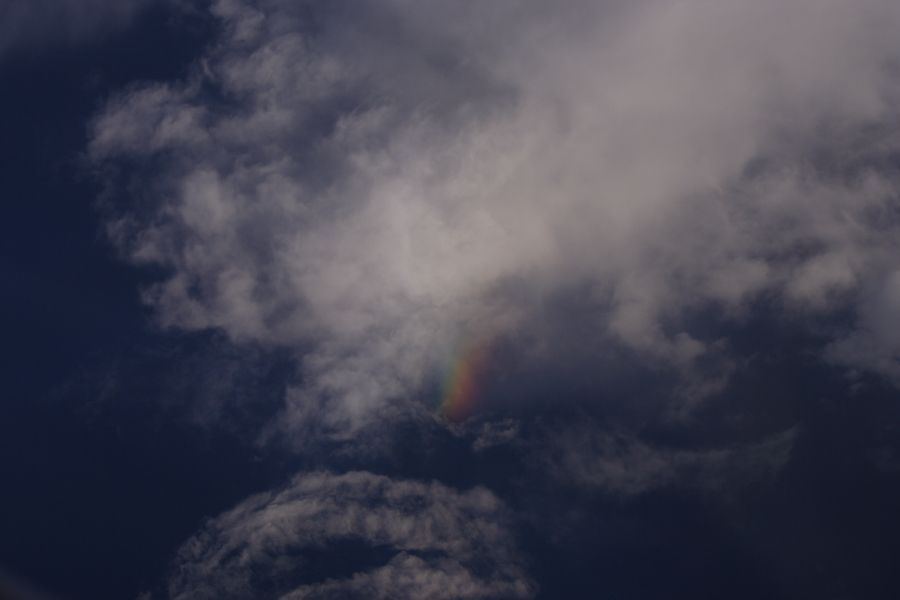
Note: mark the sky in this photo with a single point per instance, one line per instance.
(450, 300)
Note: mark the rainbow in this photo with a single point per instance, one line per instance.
(462, 380)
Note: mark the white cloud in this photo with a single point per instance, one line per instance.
(444, 543)
(373, 181)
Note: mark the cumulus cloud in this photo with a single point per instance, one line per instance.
(373, 181)
(30, 23)
(440, 543)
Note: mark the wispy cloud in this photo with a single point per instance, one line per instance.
(27, 24)
(622, 465)
(440, 543)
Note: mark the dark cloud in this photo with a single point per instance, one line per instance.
(29, 24)
(624, 465)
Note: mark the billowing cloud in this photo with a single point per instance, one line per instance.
(436, 543)
(369, 182)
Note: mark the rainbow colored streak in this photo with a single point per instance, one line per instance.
(462, 382)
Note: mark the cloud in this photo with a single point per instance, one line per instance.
(371, 182)
(31, 23)
(440, 543)
(875, 344)
(622, 465)
(11, 588)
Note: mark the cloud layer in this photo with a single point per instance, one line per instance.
(372, 182)
(440, 543)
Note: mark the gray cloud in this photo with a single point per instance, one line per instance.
(444, 543)
(373, 182)
(875, 344)
(623, 465)
(34, 23)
